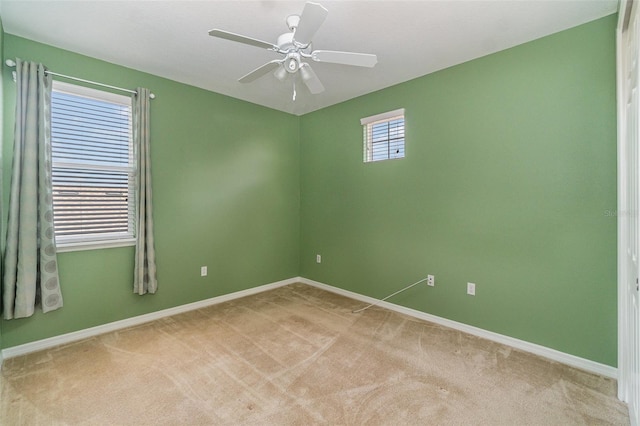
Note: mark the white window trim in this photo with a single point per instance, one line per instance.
(94, 245)
(382, 117)
(87, 92)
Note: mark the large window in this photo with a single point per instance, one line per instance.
(93, 167)
(383, 136)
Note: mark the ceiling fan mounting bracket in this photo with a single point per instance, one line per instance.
(292, 22)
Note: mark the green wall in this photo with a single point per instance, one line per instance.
(226, 195)
(509, 182)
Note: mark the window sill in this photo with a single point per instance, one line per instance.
(93, 245)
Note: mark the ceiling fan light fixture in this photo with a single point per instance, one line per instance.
(280, 73)
(304, 73)
(310, 79)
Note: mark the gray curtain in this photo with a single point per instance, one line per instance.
(30, 263)
(145, 280)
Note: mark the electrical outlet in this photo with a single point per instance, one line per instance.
(318, 258)
(203, 271)
(471, 289)
(431, 280)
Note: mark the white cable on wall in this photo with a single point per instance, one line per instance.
(389, 296)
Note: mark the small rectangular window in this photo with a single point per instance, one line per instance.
(383, 136)
(93, 168)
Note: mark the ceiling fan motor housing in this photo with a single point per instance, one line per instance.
(285, 41)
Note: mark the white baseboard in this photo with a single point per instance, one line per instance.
(552, 354)
(543, 351)
(129, 322)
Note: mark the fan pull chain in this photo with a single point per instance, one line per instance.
(294, 91)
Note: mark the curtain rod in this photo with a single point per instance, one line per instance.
(11, 63)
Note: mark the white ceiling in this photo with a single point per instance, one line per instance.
(411, 38)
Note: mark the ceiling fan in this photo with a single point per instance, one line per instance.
(295, 46)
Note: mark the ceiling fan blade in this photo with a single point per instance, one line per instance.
(242, 39)
(260, 71)
(313, 15)
(310, 79)
(345, 58)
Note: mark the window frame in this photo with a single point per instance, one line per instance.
(386, 117)
(95, 241)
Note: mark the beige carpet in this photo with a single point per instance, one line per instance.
(297, 355)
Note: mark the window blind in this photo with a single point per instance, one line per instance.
(384, 136)
(93, 168)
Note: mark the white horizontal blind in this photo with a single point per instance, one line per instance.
(384, 136)
(93, 169)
